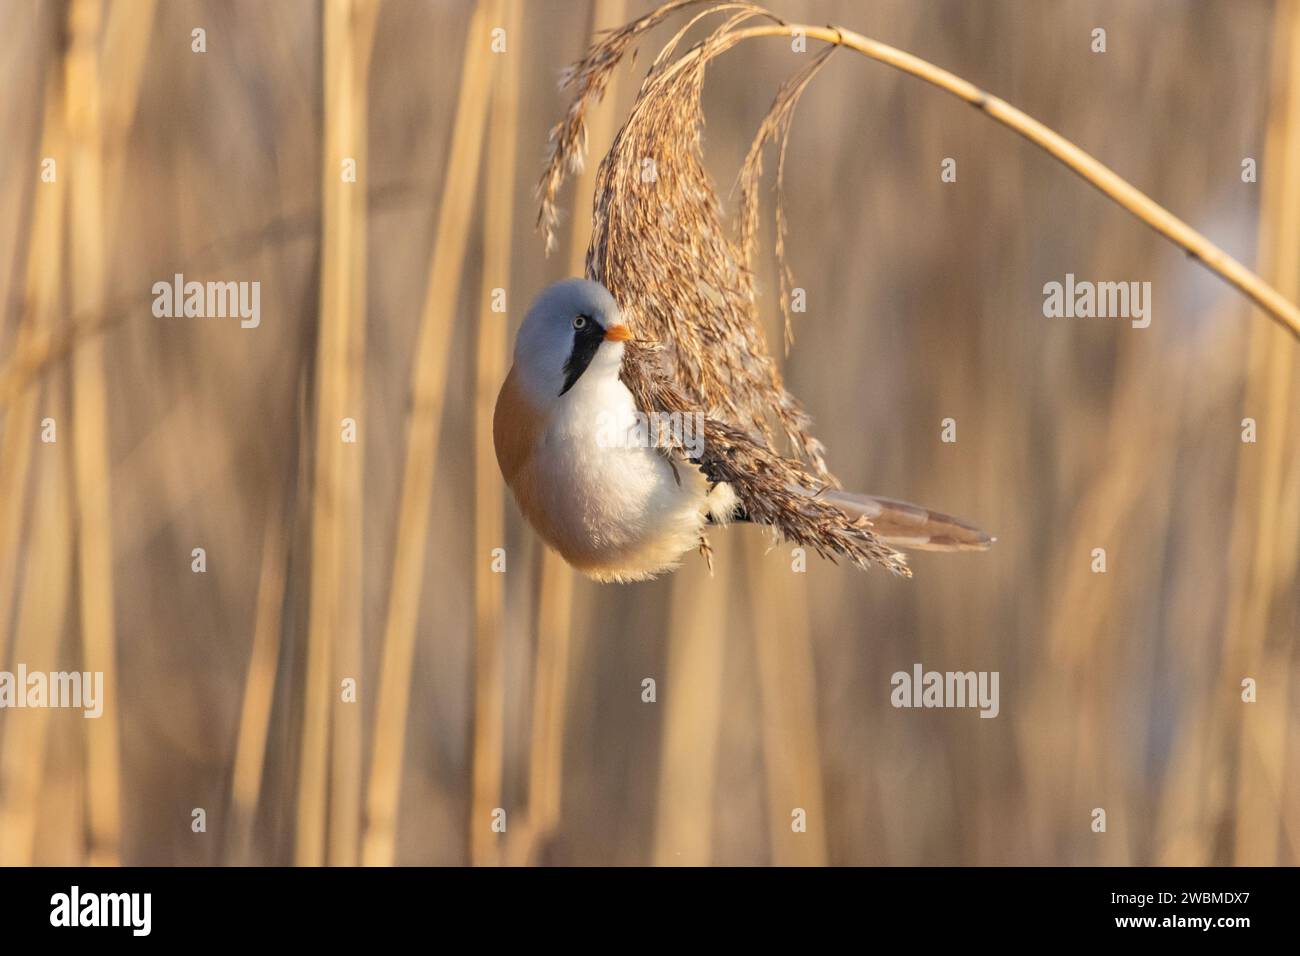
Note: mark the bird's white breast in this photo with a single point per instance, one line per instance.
(613, 506)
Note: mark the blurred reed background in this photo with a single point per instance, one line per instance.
(328, 560)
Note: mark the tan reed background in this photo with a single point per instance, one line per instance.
(522, 691)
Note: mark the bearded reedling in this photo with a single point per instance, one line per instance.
(666, 325)
(626, 510)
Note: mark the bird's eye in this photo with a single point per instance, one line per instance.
(580, 322)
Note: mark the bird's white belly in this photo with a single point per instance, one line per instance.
(616, 509)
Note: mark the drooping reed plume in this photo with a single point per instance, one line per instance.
(660, 245)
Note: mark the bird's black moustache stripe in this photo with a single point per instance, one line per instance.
(586, 341)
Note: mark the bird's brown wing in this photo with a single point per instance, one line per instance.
(769, 486)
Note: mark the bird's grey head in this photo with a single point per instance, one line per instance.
(570, 325)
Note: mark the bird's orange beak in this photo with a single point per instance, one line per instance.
(618, 333)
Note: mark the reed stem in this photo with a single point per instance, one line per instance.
(1092, 171)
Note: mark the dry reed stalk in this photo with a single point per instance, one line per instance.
(1196, 790)
(550, 697)
(127, 33)
(1283, 310)
(354, 44)
(1265, 541)
(549, 700)
(788, 697)
(697, 638)
(1186, 835)
(330, 781)
(782, 638)
(259, 687)
(60, 840)
(43, 280)
(424, 420)
(90, 425)
(782, 635)
(42, 618)
(488, 744)
(1123, 512)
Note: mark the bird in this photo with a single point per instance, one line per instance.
(620, 505)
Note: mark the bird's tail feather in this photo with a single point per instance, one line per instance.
(909, 526)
